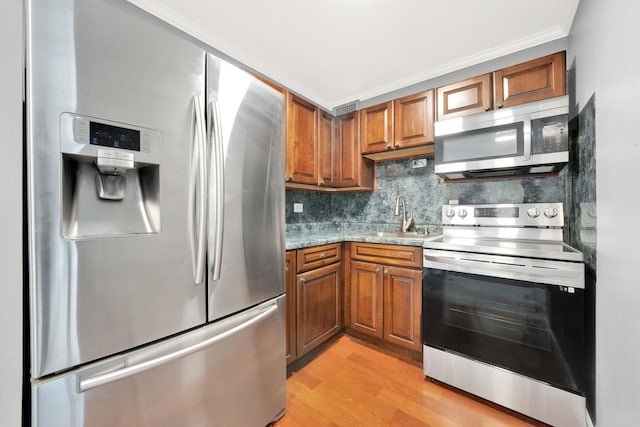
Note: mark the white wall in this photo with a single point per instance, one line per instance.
(605, 45)
(11, 212)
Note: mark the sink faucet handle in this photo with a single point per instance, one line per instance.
(406, 222)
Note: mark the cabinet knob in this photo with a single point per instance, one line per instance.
(302, 280)
(397, 144)
(389, 147)
(499, 105)
(286, 268)
(487, 109)
(386, 271)
(378, 270)
(321, 182)
(323, 255)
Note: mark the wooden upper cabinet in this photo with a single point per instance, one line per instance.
(465, 97)
(351, 169)
(302, 143)
(413, 121)
(376, 128)
(531, 81)
(347, 161)
(328, 155)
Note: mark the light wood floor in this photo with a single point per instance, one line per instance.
(352, 384)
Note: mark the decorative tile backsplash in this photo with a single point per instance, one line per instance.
(425, 195)
(582, 175)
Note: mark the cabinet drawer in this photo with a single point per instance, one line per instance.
(401, 256)
(318, 256)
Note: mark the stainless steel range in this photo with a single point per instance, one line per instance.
(503, 309)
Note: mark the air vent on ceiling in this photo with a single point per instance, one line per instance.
(347, 108)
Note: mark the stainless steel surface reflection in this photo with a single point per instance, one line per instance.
(214, 382)
(136, 178)
(92, 296)
(395, 234)
(525, 395)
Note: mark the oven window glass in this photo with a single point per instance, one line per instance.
(533, 329)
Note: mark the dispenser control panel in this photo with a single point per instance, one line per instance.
(114, 136)
(93, 132)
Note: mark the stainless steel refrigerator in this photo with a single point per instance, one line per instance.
(155, 229)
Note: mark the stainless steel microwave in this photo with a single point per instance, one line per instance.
(526, 139)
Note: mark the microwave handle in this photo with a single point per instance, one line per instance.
(526, 129)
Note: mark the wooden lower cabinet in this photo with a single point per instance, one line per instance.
(319, 306)
(402, 306)
(385, 300)
(290, 292)
(366, 298)
(386, 303)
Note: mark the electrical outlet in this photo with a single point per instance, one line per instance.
(419, 163)
(298, 207)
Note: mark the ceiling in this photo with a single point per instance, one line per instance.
(338, 51)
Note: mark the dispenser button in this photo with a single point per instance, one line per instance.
(81, 130)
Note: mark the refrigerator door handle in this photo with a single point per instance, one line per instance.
(91, 382)
(197, 187)
(216, 186)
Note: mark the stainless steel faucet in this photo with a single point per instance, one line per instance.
(406, 222)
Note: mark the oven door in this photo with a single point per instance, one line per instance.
(524, 315)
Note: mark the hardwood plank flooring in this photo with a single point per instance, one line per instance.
(351, 383)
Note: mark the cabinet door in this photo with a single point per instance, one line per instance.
(366, 298)
(290, 292)
(319, 306)
(531, 81)
(376, 128)
(328, 153)
(402, 306)
(413, 120)
(465, 97)
(302, 146)
(348, 158)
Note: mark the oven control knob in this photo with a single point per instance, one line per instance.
(462, 213)
(533, 212)
(450, 213)
(551, 212)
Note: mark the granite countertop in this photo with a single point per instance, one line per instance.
(305, 239)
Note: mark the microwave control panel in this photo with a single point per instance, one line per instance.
(549, 135)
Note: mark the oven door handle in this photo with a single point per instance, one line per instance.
(571, 274)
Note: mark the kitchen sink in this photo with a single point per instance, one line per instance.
(394, 234)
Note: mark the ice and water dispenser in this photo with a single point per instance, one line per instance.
(110, 178)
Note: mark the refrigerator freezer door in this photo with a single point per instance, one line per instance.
(230, 373)
(92, 294)
(246, 199)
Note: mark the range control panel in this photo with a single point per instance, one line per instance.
(505, 215)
